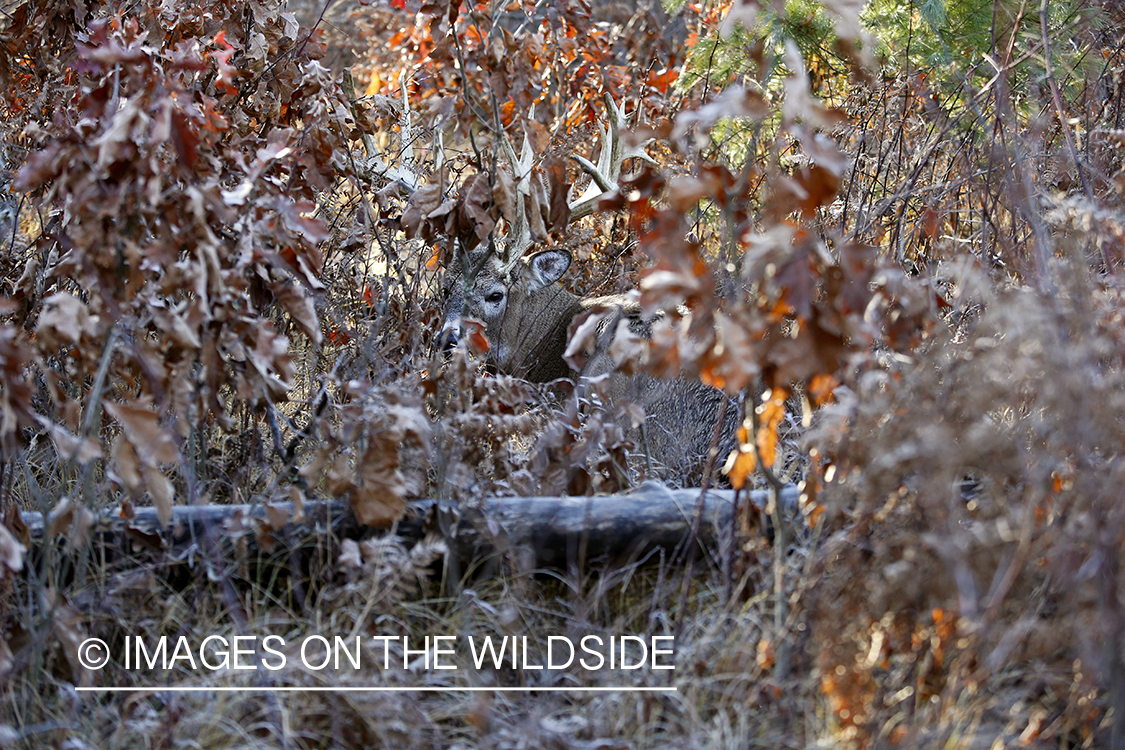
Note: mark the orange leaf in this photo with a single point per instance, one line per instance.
(375, 84)
(821, 388)
(770, 415)
(434, 261)
(766, 655)
(813, 514)
(662, 81)
(931, 223)
(711, 376)
(474, 334)
(740, 465)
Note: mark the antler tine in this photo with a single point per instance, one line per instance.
(519, 235)
(604, 176)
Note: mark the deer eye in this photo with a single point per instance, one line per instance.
(494, 297)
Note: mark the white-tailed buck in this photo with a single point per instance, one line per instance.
(527, 314)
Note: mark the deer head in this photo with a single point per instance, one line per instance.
(524, 310)
(526, 313)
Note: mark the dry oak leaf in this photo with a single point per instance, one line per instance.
(73, 519)
(67, 628)
(160, 488)
(424, 204)
(63, 321)
(153, 444)
(584, 334)
(143, 446)
(269, 376)
(504, 195)
(378, 498)
(299, 304)
(70, 446)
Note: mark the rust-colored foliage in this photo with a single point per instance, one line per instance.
(185, 152)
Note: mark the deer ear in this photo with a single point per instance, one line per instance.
(548, 267)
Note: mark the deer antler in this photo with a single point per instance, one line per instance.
(604, 176)
(519, 234)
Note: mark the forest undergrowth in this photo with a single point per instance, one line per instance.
(893, 234)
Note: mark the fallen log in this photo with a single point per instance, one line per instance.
(541, 532)
(560, 532)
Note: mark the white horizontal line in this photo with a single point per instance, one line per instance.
(375, 689)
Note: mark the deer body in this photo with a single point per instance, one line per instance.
(527, 316)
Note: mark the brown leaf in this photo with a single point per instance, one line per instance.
(269, 377)
(297, 497)
(72, 518)
(407, 422)
(70, 446)
(504, 195)
(734, 360)
(312, 470)
(117, 142)
(66, 626)
(264, 534)
(300, 219)
(153, 444)
(16, 409)
(378, 498)
(421, 204)
(474, 208)
(558, 214)
(299, 304)
(340, 477)
(126, 464)
(537, 209)
(176, 329)
(160, 488)
(684, 193)
(276, 516)
(63, 321)
(582, 336)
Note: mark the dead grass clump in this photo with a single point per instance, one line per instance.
(976, 487)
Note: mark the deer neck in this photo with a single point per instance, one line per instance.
(546, 337)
